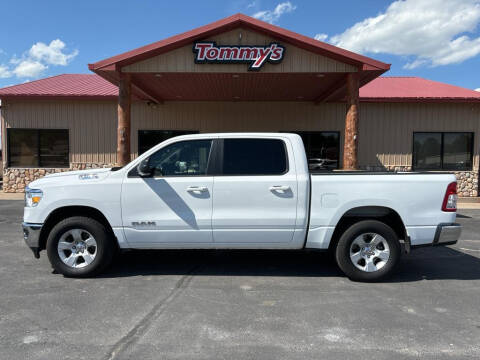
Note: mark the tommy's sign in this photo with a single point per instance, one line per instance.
(256, 56)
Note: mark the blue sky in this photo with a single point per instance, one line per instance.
(435, 39)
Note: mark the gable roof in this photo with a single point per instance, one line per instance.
(414, 89)
(230, 23)
(382, 89)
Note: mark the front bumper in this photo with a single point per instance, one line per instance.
(31, 235)
(447, 234)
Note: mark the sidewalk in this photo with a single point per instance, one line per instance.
(468, 205)
(11, 196)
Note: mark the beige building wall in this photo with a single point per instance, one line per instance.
(385, 130)
(237, 117)
(91, 124)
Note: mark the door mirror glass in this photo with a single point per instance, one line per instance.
(144, 169)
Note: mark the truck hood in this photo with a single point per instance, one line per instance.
(72, 177)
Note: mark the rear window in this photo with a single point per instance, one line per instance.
(254, 157)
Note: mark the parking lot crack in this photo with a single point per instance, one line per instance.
(141, 327)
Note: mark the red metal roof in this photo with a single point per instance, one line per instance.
(384, 89)
(232, 22)
(414, 89)
(64, 86)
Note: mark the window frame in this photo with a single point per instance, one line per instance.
(217, 161)
(38, 132)
(442, 150)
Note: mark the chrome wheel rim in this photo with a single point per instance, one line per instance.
(369, 252)
(77, 248)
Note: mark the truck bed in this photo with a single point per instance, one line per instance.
(415, 196)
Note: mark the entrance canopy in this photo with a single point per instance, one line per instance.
(239, 58)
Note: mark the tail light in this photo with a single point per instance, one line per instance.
(450, 199)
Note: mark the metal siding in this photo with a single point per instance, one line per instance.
(91, 125)
(236, 116)
(295, 59)
(386, 129)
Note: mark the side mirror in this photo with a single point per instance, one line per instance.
(144, 169)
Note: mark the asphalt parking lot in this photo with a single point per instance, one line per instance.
(239, 305)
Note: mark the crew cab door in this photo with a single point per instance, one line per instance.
(255, 192)
(174, 205)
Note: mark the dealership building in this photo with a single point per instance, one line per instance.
(240, 74)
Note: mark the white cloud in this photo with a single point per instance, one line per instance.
(477, 89)
(274, 15)
(430, 32)
(51, 54)
(37, 59)
(321, 37)
(251, 5)
(29, 68)
(4, 72)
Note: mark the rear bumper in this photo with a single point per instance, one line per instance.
(447, 234)
(31, 235)
(442, 234)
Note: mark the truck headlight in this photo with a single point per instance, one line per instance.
(32, 197)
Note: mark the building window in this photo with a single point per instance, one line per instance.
(149, 138)
(254, 157)
(38, 148)
(322, 149)
(442, 150)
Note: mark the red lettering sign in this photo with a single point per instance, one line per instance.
(256, 56)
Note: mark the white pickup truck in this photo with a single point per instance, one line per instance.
(237, 191)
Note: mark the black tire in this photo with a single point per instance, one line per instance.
(342, 251)
(105, 246)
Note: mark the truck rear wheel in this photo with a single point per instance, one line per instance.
(368, 251)
(79, 247)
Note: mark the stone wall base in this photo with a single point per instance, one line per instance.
(467, 181)
(16, 179)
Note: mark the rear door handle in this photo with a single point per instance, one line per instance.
(279, 188)
(197, 188)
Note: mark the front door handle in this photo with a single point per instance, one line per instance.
(279, 188)
(197, 188)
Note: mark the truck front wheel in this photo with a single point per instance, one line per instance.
(368, 251)
(79, 247)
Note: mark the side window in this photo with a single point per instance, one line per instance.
(254, 157)
(442, 150)
(182, 158)
(38, 148)
(427, 151)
